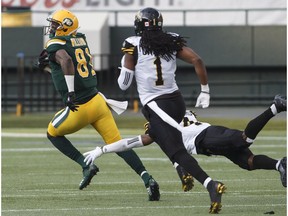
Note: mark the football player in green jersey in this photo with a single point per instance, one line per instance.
(74, 78)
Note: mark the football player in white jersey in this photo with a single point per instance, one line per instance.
(150, 56)
(203, 138)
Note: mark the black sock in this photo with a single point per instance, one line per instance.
(256, 124)
(66, 147)
(264, 162)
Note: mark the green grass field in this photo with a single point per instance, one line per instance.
(38, 180)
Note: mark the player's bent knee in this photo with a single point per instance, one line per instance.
(248, 164)
(49, 136)
(51, 131)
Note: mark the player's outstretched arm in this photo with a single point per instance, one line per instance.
(119, 146)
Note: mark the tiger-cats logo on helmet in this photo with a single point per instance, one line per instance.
(68, 22)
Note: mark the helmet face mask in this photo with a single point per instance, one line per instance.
(62, 23)
(51, 29)
(148, 19)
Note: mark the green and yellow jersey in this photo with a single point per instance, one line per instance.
(85, 80)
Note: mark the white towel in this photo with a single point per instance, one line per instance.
(118, 106)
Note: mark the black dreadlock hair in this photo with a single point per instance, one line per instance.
(161, 44)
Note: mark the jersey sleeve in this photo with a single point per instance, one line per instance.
(130, 45)
(54, 44)
(128, 48)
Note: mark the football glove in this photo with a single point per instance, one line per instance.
(90, 156)
(70, 102)
(203, 100)
(146, 127)
(43, 62)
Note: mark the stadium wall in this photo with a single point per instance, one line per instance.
(218, 46)
(231, 46)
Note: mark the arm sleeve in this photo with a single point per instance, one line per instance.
(125, 78)
(123, 145)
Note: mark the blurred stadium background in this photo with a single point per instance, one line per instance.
(243, 44)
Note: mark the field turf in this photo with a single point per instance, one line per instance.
(39, 180)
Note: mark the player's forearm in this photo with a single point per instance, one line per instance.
(125, 78)
(201, 72)
(123, 145)
(119, 146)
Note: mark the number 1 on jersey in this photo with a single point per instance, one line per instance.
(159, 80)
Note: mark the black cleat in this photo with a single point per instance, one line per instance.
(153, 190)
(186, 179)
(280, 103)
(88, 174)
(282, 170)
(215, 191)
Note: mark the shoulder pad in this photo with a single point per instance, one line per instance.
(55, 41)
(133, 40)
(129, 44)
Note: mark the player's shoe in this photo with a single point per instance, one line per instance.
(88, 174)
(215, 191)
(280, 103)
(186, 179)
(153, 190)
(282, 170)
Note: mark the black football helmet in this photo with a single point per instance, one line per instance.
(148, 19)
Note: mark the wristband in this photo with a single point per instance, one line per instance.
(70, 82)
(205, 88)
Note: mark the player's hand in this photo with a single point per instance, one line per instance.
(203, 100)
(43, 62)
(70, 102)
(90, 156)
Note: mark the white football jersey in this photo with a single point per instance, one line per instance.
(191, 128)
(154, 76)
(190, 133)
